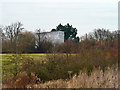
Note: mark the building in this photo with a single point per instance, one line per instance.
(54, 36)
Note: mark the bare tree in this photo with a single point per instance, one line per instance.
(12, 33)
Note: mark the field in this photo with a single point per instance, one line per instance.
(6, 58)
(59, 70)
(35, 56)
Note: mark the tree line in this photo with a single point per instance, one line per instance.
(16, 40)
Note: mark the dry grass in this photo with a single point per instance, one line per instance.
(97, 79)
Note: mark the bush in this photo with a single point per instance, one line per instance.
(62, 66)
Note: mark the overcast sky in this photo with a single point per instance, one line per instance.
(85, 15)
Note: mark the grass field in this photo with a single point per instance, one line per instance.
(6, 58)
(8, 63)
(54, 67)
(39, 57)
(35, 56)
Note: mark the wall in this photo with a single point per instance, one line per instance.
(54, 37)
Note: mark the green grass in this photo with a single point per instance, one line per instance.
(7, 65)
(39, 57)
(34, 56)
(6, 59)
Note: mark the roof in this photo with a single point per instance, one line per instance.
(49, 32)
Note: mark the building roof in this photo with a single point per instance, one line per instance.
(49, 32)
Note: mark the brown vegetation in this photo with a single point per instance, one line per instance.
(97, 79)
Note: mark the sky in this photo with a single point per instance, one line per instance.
(85, 15)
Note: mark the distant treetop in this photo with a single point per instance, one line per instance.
(69, 32)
